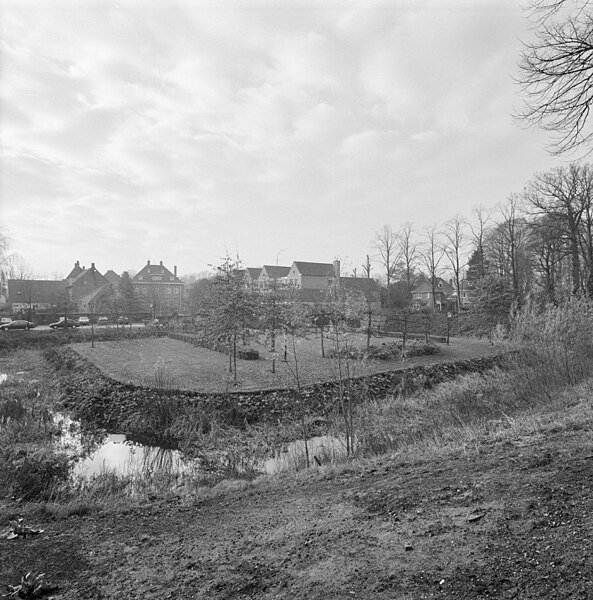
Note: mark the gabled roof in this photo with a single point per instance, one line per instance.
(35, 291)
(275, 271)
(96, 294)
(253, 272)
(314, 269)
(76, 271)
(91, 274)
(425, 287)
(156, 270)
(112, 277)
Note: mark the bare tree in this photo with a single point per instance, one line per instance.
(507, 247)
(432, 255)
(556, 70)
(556, 194)
(455, 251)
(409, 254)
(478, 229)
(366, 267)
(387, 246)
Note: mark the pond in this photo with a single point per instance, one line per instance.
(101, 451)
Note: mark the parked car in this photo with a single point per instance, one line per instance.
(17, 324)
(123, 321)
(102, 321)
(155, 323)
(64, 323)
(5, 320)
(84, 321)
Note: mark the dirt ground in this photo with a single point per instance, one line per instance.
(509, 519)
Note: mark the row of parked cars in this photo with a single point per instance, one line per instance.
(6, 323)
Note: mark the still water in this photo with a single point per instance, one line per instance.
(118, 453)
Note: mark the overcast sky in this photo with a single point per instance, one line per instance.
(180, 131)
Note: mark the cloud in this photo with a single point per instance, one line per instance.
(191, 125)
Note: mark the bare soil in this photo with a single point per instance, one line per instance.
(511, 519)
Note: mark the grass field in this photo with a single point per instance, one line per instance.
(171, 363)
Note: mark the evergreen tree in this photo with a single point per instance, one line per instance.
(129, 303)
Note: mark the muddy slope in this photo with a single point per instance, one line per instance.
(505, 520)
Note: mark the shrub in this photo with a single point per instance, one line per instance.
(33, 473)
(385, 351)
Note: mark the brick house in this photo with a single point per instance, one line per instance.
(313, 276)
(159, 290)
(252, 276)
(271, 275)
(422, 295)
(86, 286)
(26, 297)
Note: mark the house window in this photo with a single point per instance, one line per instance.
(140, 277)
(157, 278)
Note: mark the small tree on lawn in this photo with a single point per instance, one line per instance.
(227, 310)
(344, 308)
(295, 323)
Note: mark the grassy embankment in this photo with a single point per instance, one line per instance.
(547, 386)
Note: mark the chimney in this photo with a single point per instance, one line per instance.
(337, 269)
(77, 264)
(147, 262)
(175, 270)
(161, 263)
(92, 266)
(337, 272)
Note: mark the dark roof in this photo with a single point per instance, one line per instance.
(75, 271)
(314, 269)
(112, 277)
(311, 296)
(158, 270)
(95, 294)
(365, 285)
(276, 271)
(35, 290)
(253, 272)
(425, 286)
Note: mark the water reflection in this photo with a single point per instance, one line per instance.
(118, 453)
(99, 451)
